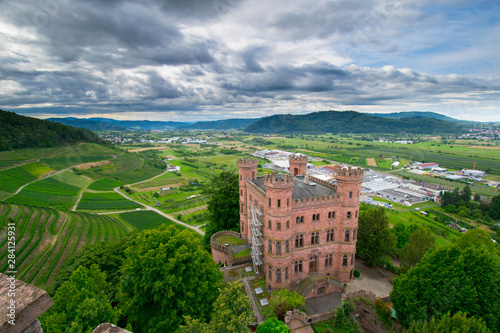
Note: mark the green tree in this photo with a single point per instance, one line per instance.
(477, 237)
(450, 279)
(421, 241)
(272, 325)
(402, 233)
(223, 203)
(283, 301)
(494, 209)
(458, 323)
(466, 194)
(80, 304)
(375, 238)
(167, 275)
(232, 313)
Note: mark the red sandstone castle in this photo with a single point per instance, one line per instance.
(302, 230)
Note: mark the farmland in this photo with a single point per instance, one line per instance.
(146, 219)
(104, 184)
(58, 192)
(46, 237)
(105, 201)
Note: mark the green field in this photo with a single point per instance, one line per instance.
(46, 237)
(105, 201)
(104, 184)
(80, 154)
(146, 219)
(59, 191)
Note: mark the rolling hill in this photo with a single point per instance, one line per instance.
(349, 122)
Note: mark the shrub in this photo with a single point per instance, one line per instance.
(356, 273)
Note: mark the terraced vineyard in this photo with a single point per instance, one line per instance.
(46, 237)
(13, 178)
(105, 201)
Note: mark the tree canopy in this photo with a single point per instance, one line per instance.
(223, 203)
(272, 325)
(458, 323)
(420, 241)
(167, 275)
(232, 313)
(450, 279)
(283, 301)
(375, 238)
(80, 303)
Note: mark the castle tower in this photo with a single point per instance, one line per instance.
(298, 164)
(247, 169)
(348, 186)
(277, 229)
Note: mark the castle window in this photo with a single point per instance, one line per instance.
(278, 248)
(241, 177)
(288, 202)
(286, 273)
(315, 238)
(270, 277)
(344, 260)
(347, 234)
(298, 220)
(278, 226)
(279, 203)
(317, 217)
(329, 235)
(287, 246)
(241, 192)
(329, 215)
(270, 246)
(350, 195)
(348, 215)
(354, 234)
(242, 208)
(302, 219)
(328, 260)
(321, 291)
(352, 259)
(298, 266)
(242, 228)
(269, 225)
(299, 241)
(356, 214)
(287, 225)
(314, 217)
(278, 275)
(269, 202)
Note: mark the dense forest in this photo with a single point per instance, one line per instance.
(18, 131)
(350, 122)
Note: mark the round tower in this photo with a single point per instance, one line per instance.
(247, 170)
(348, 186)
(298, 164)
(277, 230)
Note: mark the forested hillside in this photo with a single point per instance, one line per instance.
(349, 122)
(18, 131)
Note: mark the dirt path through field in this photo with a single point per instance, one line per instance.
(156, 188)
(371, 161)
(46, 176)
(197, 229)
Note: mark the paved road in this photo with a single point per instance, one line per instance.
(197, 229)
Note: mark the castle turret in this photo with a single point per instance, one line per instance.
(298, 164)
(247, 170)
(348, 186)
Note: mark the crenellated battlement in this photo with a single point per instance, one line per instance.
(350, 173)
(275, 179)
(298, 158)
(323, 182)
(247, 162)
(318, 200)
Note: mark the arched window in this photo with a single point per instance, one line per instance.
(297, 241)
(329, 235)
(350, 194)
(356, 214)
(329, 215)
(344, 260)
(298, 266)
(287, 225)
(301, 241)
(317, 217)
(298, 220)
(278, 275)
(242, 228)
(314, 217)
(278, 226)
(269, 202)
(321, 290)
(242, 208)
(270, 246)
(347, 234)
(269, 225)
(279, 203)
(241, 192)
(278, 248)
(302, 219)
(288, 202)
(270, 277)
(315, 238)
(286, 273)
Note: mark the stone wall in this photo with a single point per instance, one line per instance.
(223, 254)
(27, 303)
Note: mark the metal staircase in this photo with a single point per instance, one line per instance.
(256, 225)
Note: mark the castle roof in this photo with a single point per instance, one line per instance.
(301, 190)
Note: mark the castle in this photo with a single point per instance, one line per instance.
(302, 230)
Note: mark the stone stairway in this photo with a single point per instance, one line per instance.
(304, 286)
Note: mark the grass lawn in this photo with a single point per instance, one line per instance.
(243, 253)
(229, 239)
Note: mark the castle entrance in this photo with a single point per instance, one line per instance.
(313, 265)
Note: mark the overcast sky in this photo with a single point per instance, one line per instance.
(199, 60)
